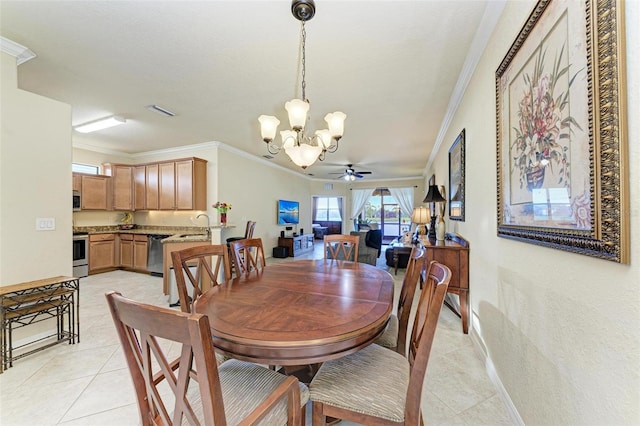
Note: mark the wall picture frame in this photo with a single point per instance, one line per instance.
(456, 178)
(562, 178)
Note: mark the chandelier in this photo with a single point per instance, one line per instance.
(303, 149)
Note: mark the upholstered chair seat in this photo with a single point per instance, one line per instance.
(389, 338)
(372, 381)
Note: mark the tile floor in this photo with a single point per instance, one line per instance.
(89, 384)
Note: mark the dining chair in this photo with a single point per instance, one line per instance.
(395, 334)
(235, 392)
(341, 247)
(197, 269)
(248, 256)
(379, 386)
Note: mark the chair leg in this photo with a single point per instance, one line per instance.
(317, 415)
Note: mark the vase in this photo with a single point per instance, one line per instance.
(535, 178)
(223, 218)
(440, 229)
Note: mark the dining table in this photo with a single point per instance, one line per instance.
(299, 312)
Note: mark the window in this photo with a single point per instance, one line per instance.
(327, 209)
(84, 168)
(383, 209)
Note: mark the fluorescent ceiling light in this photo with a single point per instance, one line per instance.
(100, 124)
(160, 110)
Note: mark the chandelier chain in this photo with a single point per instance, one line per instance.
(303, 34)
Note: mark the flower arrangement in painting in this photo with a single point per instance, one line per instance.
(542, 127)
(222, 207)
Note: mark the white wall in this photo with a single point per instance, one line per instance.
(561, 329)
(35, 181)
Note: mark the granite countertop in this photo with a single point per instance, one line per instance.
(177, 233)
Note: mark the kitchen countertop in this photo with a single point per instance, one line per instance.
(177, 233)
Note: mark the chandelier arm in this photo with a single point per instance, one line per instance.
(273, 148)
(321, 156)
(332, 148)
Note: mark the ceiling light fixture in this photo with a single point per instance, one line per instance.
(100, 124)
(302, 149)
(160, 110)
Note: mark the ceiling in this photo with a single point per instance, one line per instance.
(391, 66)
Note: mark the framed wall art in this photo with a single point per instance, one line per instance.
(561, 131)
(456, 178)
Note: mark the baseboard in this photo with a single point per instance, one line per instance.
(481, 348)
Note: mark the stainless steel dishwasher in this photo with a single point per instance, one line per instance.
(154, 256)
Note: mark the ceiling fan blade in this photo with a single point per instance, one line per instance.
(358, 175)
(364, 173)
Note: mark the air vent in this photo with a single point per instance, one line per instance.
(160, 110)
(268, 157)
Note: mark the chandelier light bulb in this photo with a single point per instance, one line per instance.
(297, 110)
(268, 127)
(335, 120)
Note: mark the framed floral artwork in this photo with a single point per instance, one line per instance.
(561, 131)
(456, 178)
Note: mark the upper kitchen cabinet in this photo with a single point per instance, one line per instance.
(183, 184)
(140, 187)
(95, 191)
(122, 181)
(151, 187)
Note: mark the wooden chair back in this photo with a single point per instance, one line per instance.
(416, 267)
(248, 256)
(422, 333)
(248, 232)
(341, 247)
(140, 329)
(212, 267)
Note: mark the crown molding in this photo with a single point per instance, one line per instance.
(21, 53)
(492, 13)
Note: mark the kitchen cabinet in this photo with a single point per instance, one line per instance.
(151, 186)
(77, 182)
(133, 251)
(183, 184)
(140, 187)
(96, 192)
(122, 183)
(102, 252)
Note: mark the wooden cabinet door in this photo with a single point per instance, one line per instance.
(140, 249)
(122, 180)
(167, 186)
(102, 252)
(152, 187)
(96, 191)
(139, 188)
(126, 251)
(77, 182)
(184, 185)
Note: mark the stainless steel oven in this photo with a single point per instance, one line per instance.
(80, 254)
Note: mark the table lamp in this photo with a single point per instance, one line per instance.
(433, 196)
(420, 216)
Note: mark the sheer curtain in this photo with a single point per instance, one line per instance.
(359, 199)
(404, 197)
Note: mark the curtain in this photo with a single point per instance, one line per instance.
(359, 198)
(404, 197)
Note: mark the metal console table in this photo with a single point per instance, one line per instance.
(35, 301)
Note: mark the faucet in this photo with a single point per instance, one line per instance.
(208, 223)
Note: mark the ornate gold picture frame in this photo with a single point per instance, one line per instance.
(561, 131)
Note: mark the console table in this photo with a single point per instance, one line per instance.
(297, 245)
(34, 301)
(453, 252)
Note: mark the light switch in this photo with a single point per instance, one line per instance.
(45, 224)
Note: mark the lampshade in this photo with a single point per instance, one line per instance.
(268, 126)
(325, 138)
(433, 195)
(288, 139)
(421, 215)
(304, 155)
(297, 110)
(335, 120)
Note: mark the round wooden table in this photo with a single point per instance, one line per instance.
(300, 312)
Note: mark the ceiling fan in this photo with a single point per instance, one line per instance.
(351, 174)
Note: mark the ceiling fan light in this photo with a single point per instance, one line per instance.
(304, 155)
(268, 127)
(335, 120)
(297, 110)
(103, 123)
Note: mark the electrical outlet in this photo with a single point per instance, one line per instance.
(45, 224)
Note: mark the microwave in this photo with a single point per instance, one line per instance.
(76, 201)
